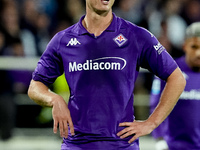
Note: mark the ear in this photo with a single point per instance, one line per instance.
(184, 46)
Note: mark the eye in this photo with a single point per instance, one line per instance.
(194, 47)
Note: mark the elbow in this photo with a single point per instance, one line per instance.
(183, 82)
(30, 91)
(177, 80)
(33, 90)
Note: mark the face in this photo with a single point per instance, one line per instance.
(99, 6)
(192, 51)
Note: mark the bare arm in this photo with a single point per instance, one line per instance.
(174, 87)
(41, 94)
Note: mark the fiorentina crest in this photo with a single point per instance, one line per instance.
(120, 40)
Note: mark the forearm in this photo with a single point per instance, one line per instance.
(170, 95)
(41, 94)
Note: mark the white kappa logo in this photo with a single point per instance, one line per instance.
(73, 42)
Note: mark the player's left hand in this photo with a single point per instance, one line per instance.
(135, 129)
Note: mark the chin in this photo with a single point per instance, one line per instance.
(102, 11)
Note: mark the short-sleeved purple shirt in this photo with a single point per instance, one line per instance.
(101, 72)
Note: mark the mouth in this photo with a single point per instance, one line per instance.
(105, 1)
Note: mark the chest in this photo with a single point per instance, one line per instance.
(192, 88)
(110, 51)
(192, 80)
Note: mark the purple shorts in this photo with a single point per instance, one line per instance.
(100, 145)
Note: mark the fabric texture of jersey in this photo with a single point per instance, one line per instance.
(181, 129)
(101, 72)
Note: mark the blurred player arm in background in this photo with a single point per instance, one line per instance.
(159, 133)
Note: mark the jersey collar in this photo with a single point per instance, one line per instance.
(81, 29)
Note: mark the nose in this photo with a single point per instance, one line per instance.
(198, 53)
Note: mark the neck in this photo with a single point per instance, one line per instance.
(96, 23)
(195, 69)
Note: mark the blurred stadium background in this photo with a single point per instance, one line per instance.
(26, 26)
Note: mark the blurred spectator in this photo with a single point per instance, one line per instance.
(28, 14)
(70, 11)
(169, 11)
(39, 17)
(13, 42)
(49, 7)
(14, 49)
(11, 28)
(75, 9)
(42, 35)
(129, 10)
(7, 106)
(2, 42)
(165, 41)
(191, 11)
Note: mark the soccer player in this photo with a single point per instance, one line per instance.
(101, 56)
(181, 130)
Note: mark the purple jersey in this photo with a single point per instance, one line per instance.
(101, 72)
(182, 128)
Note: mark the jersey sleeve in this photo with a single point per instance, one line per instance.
(154, 56)
(50, 64)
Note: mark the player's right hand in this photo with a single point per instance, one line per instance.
(62, 118)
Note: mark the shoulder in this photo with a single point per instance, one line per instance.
(139, 35)
(64, 34)
(133, 28)
(180, 61)
(68, 31)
